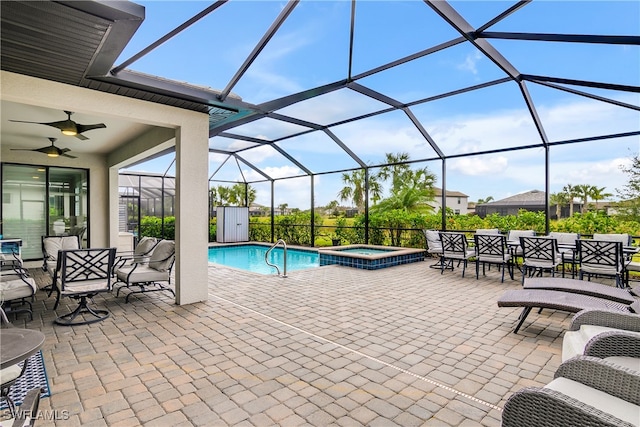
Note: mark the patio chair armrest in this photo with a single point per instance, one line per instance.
(543, 407)
(609, 318)
(28, 412)
(614, 343)
(616, 380)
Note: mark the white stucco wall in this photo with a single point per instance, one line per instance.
(191, 138)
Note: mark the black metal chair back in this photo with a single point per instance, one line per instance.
(539, 254)
(601, 258)
(492, 249)
(455, 247)
(82, 274)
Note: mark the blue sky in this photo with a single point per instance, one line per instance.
(312, 48)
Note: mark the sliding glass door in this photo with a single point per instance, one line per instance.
(43, 200)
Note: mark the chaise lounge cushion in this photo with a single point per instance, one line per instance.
(575, 342)
(619, 408)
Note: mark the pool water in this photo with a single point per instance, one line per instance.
(251, 258)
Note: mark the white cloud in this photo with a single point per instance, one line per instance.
(470, 62)
(475, 166)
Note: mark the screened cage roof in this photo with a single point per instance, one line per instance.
(306, 87)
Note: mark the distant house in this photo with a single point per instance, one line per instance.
(455, 200)
(532, 201)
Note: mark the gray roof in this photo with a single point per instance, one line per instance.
(449, 193)
(530, 198)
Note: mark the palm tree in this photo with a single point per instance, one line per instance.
(598, 193)
(583, 191)
(395, 169)
(242, 192)
(571, 192)
(354, 189)
(483, 201)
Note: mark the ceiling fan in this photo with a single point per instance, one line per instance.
(69, 127)
(50, 150)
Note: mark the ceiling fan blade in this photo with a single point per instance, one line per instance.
(84, 128)
(81, 137)
(21, 149)
(68, 155)
(24, 121)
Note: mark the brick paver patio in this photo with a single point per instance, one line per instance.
(327, 346)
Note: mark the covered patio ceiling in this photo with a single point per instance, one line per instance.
(359, 86)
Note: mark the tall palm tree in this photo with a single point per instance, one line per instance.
(483, 201)
(598, 193)
(395, 169)
(583, 191)
(354, 189)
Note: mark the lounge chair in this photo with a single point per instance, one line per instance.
(585, 391)
(16, 291)
(573, 286)
(153, 274)
(558, 300)
(141, 253)
(603, 334)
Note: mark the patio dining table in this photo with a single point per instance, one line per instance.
(18, 344)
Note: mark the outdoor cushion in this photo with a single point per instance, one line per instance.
(13, 287)
(161, 258)
(619, 408)
(143, 273)
(10, 373)
(574, 342)
(627, 362)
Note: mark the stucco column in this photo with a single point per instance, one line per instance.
(192, 235)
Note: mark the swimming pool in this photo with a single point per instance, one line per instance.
(251, 258)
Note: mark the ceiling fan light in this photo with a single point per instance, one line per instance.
(70, 132)
(52, 154)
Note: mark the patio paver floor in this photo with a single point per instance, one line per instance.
(327, 346)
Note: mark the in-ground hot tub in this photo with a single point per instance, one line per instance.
(369, 257)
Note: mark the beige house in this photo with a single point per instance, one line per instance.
(455, 200)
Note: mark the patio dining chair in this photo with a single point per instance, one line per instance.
(434, 246)
(538, 255)
(568, 250)
(601, 258)
(455, 248)
(51, 245)
(492, 249)
(513, 238)
(81, 274)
